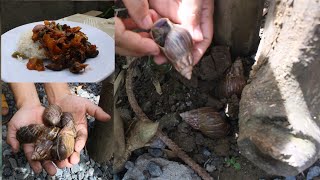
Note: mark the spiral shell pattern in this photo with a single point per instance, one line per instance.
(234, 81)
(208, 121)
(176, 43)
(52, 115)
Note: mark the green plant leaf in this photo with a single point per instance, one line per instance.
(237, 166)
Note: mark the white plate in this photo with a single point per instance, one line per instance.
(98, 68)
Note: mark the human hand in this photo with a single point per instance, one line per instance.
(130, 43)
(26, 115)
(79, 107)
(194, 15)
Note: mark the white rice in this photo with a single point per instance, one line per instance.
(29, 48)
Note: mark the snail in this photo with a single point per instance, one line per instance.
(208, 121)
(53, 142)
(64, 143)
(52, 115)
(234, 81)
(176, 43)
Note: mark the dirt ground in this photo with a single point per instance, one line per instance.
(179, 95)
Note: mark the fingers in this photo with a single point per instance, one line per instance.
(130, 43)
(35, 165)
(189, 13)
(49, 167)
(82, 135)
(207, 29)
(64, 163)
(166, 8)
(96, 111)
(11, 137)
(74, 158)
(139, 12)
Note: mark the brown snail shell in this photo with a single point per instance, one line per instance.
(176, 43)
(52, 115)
(49, 133)
(42, 150)
(44, 143)
(234, 81)
(66, 119)
(30, 133)
(64, 143)
(208, 121)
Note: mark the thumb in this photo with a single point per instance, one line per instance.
(189, 13)
(139, 12)
(96, 111)
(12, 139)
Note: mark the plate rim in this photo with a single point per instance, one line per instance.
(98, 79)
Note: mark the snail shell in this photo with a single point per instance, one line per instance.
(67, 119)
(234, 81)
(44, 143)
(176, 43)
(52, 115)
(42, 150)
(49, 133)
(208, 121)
(64, 144)
(30, 133)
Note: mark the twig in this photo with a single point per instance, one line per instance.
(143, 117)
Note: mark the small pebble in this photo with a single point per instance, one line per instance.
(74, 176)
(20, 173)
(154, 169)
(7, 172)
(206, 152)
(7, 152)
(290, 178)
(75, 168)
(44, 173)
(155, 152)
(90, 172)
(59, 172)
(13, 163)
(98, 172)
(92, 162)
(82, 166)
(129, 165)
(157, 143)
(81, 175)
(313, 172)
(210, 168)
(68, 177)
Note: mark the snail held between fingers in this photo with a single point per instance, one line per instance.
(176, 43)
(53, 142)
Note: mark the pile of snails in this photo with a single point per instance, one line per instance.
(55, 139)
(207, 119)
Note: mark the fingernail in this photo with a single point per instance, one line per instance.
(147, 22)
